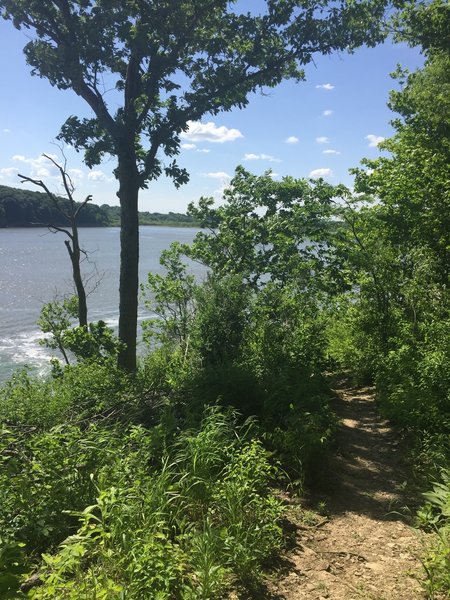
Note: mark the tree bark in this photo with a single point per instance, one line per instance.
(75, 255)
(129, 261)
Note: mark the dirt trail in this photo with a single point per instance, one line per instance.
(365, 549)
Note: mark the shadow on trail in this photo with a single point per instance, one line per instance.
(367, 472)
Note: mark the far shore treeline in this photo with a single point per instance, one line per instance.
(25, 208)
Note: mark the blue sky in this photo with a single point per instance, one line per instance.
(322, 126)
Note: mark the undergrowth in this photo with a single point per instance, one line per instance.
(110, 488)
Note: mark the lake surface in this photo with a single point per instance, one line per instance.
(35, 269)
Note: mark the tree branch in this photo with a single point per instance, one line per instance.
(61, 229)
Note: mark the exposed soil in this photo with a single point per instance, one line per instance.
(364, 547)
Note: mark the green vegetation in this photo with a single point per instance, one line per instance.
(163, 483)
(171, 64)
(169, 219)
(24, 208)
(393, 325)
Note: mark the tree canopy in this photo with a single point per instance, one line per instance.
(165, 63)
(412, 182)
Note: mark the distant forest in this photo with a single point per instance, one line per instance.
(24, 208)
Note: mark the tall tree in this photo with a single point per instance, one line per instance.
(402, 260)
(413, 182)
(172, 61)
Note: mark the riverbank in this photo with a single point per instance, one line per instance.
(20, 208)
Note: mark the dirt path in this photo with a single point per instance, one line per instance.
(365, 548)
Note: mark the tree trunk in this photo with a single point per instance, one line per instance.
(75, 255)
(129, 261)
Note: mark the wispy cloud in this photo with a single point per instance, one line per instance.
(210, 132)
(322, 172)
(327, 113)
(217, 175)
(374, 140)
(268, 157)
(188, 146)
(39, 167)
(99, 176)
(9, 174)
(6, 130)
(223, 180)
(322, 140)
(325, 86)
(292, 139)
(203, 150)
(76, 175)
(330, 151)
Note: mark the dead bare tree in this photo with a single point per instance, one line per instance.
(70, 214)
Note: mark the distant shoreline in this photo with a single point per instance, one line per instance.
(109, 226)
(21, 208)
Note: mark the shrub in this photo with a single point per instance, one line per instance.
(437, 514)
(79, 392)
(180, 526)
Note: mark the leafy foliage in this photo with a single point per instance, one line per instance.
(137, 521)
(436, 513)
(95, 341)
(171, 64)
(160, 485)
(392, 326)
(247, 337)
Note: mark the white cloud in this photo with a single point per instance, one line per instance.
(327, 113)
(223, 180)
(325, 86)
(329, 151)
(250, 156)
(76, 175)
(9, 174)
(217, 175)
(316, 173)
(292, 140)
(322, 140)
(6, 130)
(40, 167)
(96, 175)
(374, 140)
(8, 170)
(194, 147)
(209, 132)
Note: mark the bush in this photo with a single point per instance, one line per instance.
(79, 392)
(436, 513)
(42, 476)
(130, 521)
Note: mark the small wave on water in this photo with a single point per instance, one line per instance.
(24, 350)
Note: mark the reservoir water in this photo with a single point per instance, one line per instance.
(35, 269)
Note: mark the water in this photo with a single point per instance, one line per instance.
(35, 268)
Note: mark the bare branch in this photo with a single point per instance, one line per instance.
(55, 228)
(82, 205)
(51, 195)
